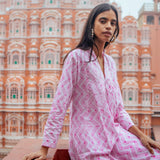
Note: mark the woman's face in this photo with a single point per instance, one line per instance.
(104, 26)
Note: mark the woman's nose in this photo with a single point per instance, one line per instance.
(108, 25)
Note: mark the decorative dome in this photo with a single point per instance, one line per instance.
(146, 51)
(129, 19)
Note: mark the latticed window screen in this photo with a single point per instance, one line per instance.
(130, 95)
(48, 92)
(21, 93)
(0, 94)
(14, 93)
(40, 93)
(15, 59)
(49, 58)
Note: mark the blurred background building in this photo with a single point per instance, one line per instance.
(35, 35)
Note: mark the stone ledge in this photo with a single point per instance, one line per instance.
(26, 146)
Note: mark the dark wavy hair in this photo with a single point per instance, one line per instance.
(87, 41)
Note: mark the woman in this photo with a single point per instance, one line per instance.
(100, 127)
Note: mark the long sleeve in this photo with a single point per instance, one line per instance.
(122, 116)
(61, 101)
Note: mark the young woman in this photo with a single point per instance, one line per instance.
(100, 128)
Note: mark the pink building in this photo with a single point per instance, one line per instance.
(35, 35)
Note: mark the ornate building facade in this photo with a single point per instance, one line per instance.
(35, 36)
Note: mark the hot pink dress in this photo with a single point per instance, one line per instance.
(98, 121)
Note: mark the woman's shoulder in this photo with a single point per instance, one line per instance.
(79, 53)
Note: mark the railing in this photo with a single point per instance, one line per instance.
(147, 7)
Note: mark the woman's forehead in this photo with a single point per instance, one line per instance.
(107, 14)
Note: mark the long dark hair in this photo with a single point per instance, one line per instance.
(87, 40)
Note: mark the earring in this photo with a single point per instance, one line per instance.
(113, 39)
(92, 32)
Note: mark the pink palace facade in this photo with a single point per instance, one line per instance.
(35, 35)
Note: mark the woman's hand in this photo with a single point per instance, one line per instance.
(146, 141)
(149, 143)
(40, 155)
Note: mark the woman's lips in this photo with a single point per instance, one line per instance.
(107, 34)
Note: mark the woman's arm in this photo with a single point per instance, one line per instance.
(146, 141)
(61, 101)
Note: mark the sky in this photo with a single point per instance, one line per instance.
(131, 7)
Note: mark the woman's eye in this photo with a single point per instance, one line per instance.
(113, 23)
(103, 22)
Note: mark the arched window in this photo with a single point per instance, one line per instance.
(130, 59)
(48, 92)
(14, 125)
(145, 64)
(146, 98)
(17, 24)
(1, 96)
(150, 19)
(130, 92)
(42, 123)
(14, 93)
(130, 95)
(79, 26)
(50, 22)
(15, 59)
(124, 95)
(3, 30)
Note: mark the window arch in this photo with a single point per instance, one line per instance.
(51, 23)
(31, 124)
(46, 93)
(129, 32)
(130, 92)
(42, 123)
(130, 96)
(145, 64)
(130, 59)
(18, 24)
(146, 99)
(14, 125)
(15, 90)
(49, 55)
(81, 18)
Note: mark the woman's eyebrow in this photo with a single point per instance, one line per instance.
(104, 18)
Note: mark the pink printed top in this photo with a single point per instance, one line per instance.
(97, 108)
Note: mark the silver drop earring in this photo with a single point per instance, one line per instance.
(92, 32)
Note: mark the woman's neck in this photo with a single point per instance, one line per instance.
(100, 47)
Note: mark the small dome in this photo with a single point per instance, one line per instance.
(129, 19)
(146, 86)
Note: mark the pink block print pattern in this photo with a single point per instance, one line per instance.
(99, 123)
